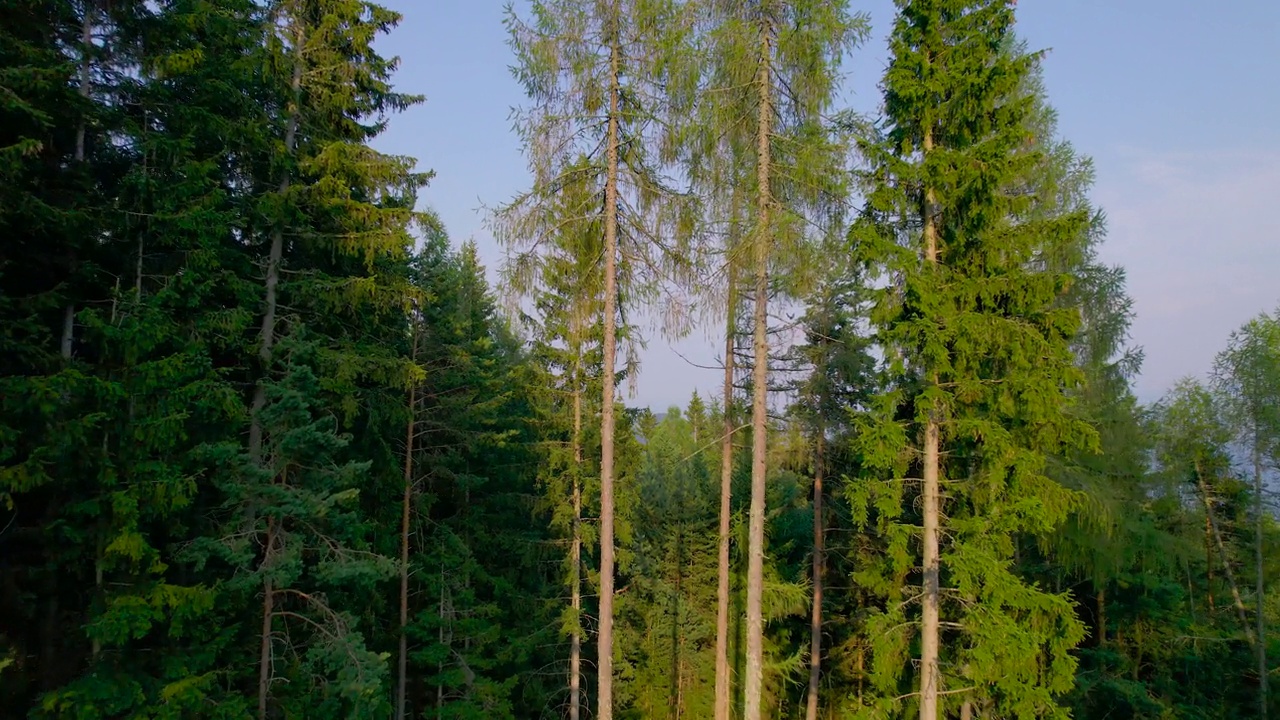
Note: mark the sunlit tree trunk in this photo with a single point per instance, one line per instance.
(723, 682)
(754, 682)
(819, 553)
(605, 657)
(930, 677)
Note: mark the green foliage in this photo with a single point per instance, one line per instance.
(979, 339)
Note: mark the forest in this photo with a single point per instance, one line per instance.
(272, 446)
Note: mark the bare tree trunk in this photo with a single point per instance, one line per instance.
(819, 550)
(930, 677)
(268, 614)
(1261, 589)
(605, 659)
(966, 710)
(760, 377)
(1222, 552)
(86, 47)
(575, 639)
(406, 504)
(722, 706)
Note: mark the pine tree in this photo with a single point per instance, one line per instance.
(982, 344)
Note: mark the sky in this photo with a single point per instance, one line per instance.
(1176, 101)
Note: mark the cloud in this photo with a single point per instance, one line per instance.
(1199, 234)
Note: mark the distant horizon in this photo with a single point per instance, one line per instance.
(1139, 87)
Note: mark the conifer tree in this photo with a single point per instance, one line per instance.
(839, 379)
(772, 69)
(592, 72)
(982, 344)
(566, 330)
(335, 215)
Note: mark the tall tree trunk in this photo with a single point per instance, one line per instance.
(722, 706)
(1261, 581)
(930, 677)
(266, 343)
(575, 576)
(760, 378)
(268, 614)
(406, 503)
(605, 658)
(1222, 552)
(86, 50)
(819, 551)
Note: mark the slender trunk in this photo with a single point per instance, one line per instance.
(440, 640)
(815, 620)
(1261, 589)
(268, 614)
(726, 497)
(86, 49)
(605, 657)
(575, 575)
(68, 331)
(1102, 616)
(1222, 552)
(406, 504)
(930, 677)
(966, 710)
(760, 377)
(137, 270)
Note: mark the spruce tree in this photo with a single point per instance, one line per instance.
(976, 332)
(334, 217)
(838, 380)
(566, 329)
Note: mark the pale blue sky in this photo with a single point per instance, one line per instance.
(1177, 101)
